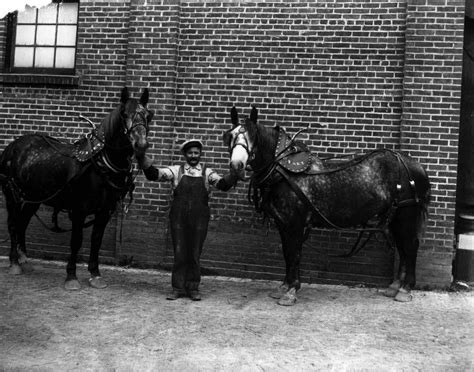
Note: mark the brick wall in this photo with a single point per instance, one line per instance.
(430, 122)
(375, 73)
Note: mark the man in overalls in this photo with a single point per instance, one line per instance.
(189, 215)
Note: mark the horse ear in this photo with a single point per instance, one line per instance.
(234, 116)
(144, 98)
(125, 95)
(150, 115)
(254, 115)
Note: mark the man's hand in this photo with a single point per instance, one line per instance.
(237, 175)
(228, 181)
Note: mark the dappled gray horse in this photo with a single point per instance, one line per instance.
(382, 190)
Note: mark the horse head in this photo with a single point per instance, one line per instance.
(244, 139)
(239, 141)
(135, 118)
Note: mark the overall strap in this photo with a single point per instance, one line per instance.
(180, 174)
(204, 177)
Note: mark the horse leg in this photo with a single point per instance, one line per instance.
(13, 210)
(27, 211)
(292, 241)
(406, 229)
(283, 288)
(101, 220)
(399, 276)
(72, 283)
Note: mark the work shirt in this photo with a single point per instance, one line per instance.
(172, 174)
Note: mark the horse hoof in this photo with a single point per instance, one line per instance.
(27, 267)
(22, 259)
(403, 296)
(97, 282)
(390, 292)
(392, 289)
(279, 292)
(72, 285)
(15, 269)
(288, 299)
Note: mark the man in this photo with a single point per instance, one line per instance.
(189, 215)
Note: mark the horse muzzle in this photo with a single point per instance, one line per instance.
(140, 147)
(237, 166)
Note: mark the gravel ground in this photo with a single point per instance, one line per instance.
(236, 327)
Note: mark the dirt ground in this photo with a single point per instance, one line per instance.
(236, 327)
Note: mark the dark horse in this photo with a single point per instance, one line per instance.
(381, 191)
(85, 178)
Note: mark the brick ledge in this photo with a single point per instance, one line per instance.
(48, 79)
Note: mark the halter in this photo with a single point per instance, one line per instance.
(142, 112)
(244, 143)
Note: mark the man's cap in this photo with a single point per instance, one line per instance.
(190, 143)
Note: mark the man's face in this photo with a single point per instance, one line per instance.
(193, 156)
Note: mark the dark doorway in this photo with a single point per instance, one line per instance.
(463, 268)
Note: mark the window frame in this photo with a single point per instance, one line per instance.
(12, 20)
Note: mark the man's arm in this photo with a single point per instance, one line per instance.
(150, 172)
(154, 174)
(223, 183)
(227, 182)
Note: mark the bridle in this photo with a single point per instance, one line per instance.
(141, 112)
(243, 143)
(241, 140)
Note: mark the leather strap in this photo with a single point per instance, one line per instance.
(304, 198)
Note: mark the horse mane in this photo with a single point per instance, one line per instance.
(110, 124)
(265, 138)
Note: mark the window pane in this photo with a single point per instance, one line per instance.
(44, 57)
(66, 35)
(65, 57)
(47, 14)
(45, 35)
(25, 35)
(28, 16)
(23, 57)
(67, 13)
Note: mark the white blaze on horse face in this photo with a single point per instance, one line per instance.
(239, 158)
(240, 155)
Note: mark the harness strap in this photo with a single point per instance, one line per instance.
(304, 198)
(391, 213)
(371, 230)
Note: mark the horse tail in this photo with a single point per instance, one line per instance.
(423, 194)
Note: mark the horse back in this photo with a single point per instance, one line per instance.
(355, 191)
(38, 165)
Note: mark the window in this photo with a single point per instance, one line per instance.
(43, 41)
